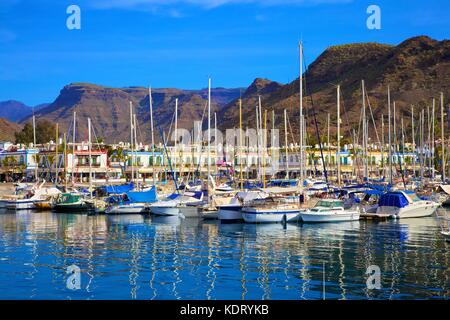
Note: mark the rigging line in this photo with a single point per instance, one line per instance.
(167, 137)
(290, 128)
(318, 137)
(373, 119)
(305, 117)
(200, 140)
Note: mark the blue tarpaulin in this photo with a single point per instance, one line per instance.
(374, 192)
(118, 189)
(143, 196)
(393, 199)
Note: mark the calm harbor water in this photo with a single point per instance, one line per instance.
(143, 257)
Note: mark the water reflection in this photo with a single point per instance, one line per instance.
(142, 257)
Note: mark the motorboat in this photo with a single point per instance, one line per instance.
(366, 199)
(121, 204)
(405, 204)
(231, 211)
(33, 197)
(72, 202)
(329, 210)
(272, 210)
(177, 203)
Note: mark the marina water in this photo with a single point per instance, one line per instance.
(146, 257)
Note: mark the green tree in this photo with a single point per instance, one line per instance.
(45, 131)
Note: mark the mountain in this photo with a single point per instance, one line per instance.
(416, 70)
(7, 130)
(14, 110)
(109, 109)
(263, 88)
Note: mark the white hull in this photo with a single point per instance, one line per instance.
(329, 217)
(164, 211)
(424, 209)
(270, 216)
(21, 204)
(229, 215)
(210, 215)
(125, 209)
(189, 211)
(446, 235)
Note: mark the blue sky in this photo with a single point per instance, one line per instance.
(179, 43)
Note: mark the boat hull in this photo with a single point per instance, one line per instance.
(22, 204)
(446, 235)
(164, 211)
(126, 209)
(190, 211)
(270, 216)
(315, 217)
(229, 214)
(425, 209)
(73, 208)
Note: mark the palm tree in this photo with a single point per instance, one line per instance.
(121, 157)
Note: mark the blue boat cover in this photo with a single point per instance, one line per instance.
(374, 192)
(143, 196)
(393, 199)
(118, 189)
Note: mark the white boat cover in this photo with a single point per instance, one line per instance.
(445, 188)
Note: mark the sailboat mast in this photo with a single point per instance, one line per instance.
(209, 128)
(328, 138)
(432, 138)
(383, 172)
(90, 156)
(365, 132)
(413, 141)
(286, 144)
(257, 145)
(442, 137)
(403, 149)
(264, 149)
(240, 143)
(65, 155)
(422, 122)
(152, 133)
(135, 146)
(73, 145)
(175, 162)
(272, 143)
(34, 145)
(300, 46)
(215, 143)
(389, 135)
(338, 155)
(131, 140)
(56, 155)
